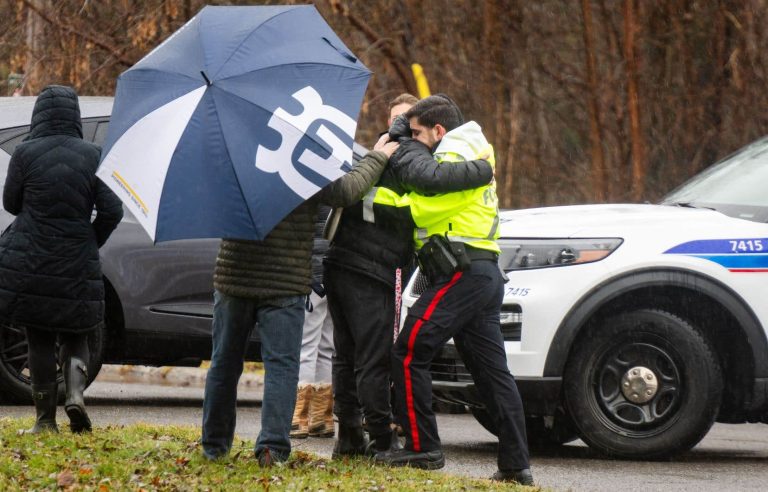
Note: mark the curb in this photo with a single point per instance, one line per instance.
(169, 376)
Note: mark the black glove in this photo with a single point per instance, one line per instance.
(400, 129)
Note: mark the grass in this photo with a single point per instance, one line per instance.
(146, 457)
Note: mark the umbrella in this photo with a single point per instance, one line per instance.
(232, 122)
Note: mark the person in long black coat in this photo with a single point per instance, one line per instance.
(50, 274)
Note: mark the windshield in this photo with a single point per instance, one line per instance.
(735, 186)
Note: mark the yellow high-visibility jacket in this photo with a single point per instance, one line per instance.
(470, 216)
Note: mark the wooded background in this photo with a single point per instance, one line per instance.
(584, 100)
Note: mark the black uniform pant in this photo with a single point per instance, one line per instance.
(363, 313)
(465, 307)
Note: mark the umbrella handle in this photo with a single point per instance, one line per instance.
(343, 53)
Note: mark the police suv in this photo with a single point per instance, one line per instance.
(635, 327)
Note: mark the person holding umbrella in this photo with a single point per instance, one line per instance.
(237, 126)
(267, 282)
(50, 273)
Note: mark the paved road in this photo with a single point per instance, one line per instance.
(731, 457)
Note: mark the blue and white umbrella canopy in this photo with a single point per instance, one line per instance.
(232, 122)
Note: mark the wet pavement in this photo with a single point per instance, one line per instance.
(731, 457)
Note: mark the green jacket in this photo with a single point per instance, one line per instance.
(280, 265)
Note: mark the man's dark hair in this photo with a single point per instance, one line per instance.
(437, 109)
(403, 98)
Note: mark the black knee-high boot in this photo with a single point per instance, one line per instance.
(75, 379)
(44, 397)
(74, 353)
(42, 367)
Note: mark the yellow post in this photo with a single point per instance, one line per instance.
(421, 80)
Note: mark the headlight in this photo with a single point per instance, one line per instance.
(517, 254)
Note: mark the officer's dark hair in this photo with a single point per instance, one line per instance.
(437, 109)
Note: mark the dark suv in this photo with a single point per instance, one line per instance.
(159, 297)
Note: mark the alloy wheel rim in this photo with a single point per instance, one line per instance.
(14, 354)
(650, 402)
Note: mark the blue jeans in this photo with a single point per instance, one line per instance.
(280, 323)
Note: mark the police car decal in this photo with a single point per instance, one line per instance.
(742, 255)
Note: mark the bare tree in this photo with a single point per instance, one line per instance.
(584, 101)
(595, 130)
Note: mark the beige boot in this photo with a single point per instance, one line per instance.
(301, 412)
(321, 412)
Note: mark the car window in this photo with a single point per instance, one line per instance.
(94, 130)
(9, 139)
(4, 160)
(101, 133)
(735, 186)
(89, 128)
(12, 138)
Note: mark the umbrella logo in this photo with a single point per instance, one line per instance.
(292, 128)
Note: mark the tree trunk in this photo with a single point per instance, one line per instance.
(595, 129)
(35, 48)
(633, 103)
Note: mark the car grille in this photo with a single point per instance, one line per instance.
(511, 314)
(448, 366)
(512, 322)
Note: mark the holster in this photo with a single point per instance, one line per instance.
(318, 288)
(441, 258)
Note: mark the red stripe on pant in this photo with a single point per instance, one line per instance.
(409, 357)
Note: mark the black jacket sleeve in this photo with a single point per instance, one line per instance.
(109, 212)
(14, 182)
(352, 187)
(417, 170)
(400, 130)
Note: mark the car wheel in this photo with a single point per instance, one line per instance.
(643, 384)
(15, 382)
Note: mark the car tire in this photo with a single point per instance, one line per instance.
(14, 371)
(609, 385)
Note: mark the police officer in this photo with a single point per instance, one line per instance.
(456, 235)
(360, 282)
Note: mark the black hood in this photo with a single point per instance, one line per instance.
(56, 112)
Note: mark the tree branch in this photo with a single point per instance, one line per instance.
(113, 50)
(396, 61)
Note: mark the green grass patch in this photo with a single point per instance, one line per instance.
(148, 457)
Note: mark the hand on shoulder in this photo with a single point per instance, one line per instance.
(385, 146)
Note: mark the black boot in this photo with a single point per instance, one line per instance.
(383, 442)
(427, 460)
(45, 397)
(351, 442)
(522, 477)
(75, 379)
